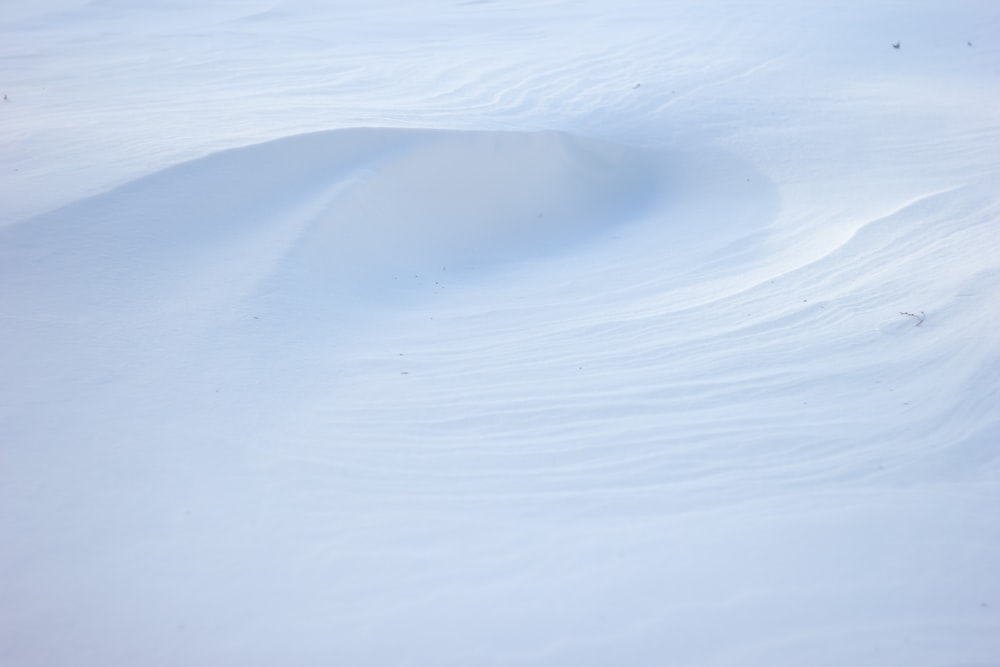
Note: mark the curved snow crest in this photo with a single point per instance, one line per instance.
(367, 216)
(347, 212)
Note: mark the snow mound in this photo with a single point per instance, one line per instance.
(345, 212)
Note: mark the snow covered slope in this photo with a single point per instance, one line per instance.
(499, 333)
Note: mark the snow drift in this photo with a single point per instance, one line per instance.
(314, 350)
(344, 213)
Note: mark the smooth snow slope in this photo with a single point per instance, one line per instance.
(499, 333)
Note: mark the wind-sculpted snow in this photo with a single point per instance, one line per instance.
(499, 333)
(358, 214)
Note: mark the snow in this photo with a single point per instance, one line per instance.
(499, 333)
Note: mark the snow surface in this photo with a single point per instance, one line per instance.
(500, 333)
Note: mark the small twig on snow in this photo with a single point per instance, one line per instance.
(920, 318)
